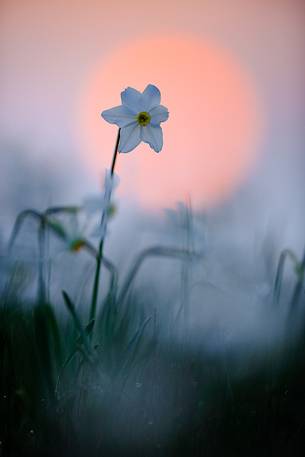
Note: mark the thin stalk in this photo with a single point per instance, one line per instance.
(41, 245)
(296, 296)
(99, 256)
(115, 153)
(154, 251)
(18, 224)
(41, 270)
(62, 209)
(285, 255)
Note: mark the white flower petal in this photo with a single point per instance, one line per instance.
(152, 134)
(158, 114)
(130, 137)
(132, 99)
(151, 97)
(120, 115)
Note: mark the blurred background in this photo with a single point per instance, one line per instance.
(189, 349)
(230, 73)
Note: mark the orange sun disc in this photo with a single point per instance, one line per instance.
(211, 137)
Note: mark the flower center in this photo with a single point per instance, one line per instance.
(76, 245)
(143, 118)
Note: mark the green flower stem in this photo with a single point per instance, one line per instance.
(99, 256)
(115, 153)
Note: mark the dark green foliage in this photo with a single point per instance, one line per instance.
(117, 386)
(55, 399)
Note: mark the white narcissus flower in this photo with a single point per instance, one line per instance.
(139, 118)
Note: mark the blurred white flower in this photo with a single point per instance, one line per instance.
(102, 204)
(139, 118)
(70, 232)
(96, 203)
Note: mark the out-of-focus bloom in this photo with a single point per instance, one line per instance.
(139, 118)
(70, 233)
(102, 204)
(76, 244)
(94, 204)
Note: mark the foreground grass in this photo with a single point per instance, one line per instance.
(130, 395)
(113, 386)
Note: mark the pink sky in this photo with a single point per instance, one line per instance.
(49, 50)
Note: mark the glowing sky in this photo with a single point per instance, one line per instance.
(50, 51)
(211, 137)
